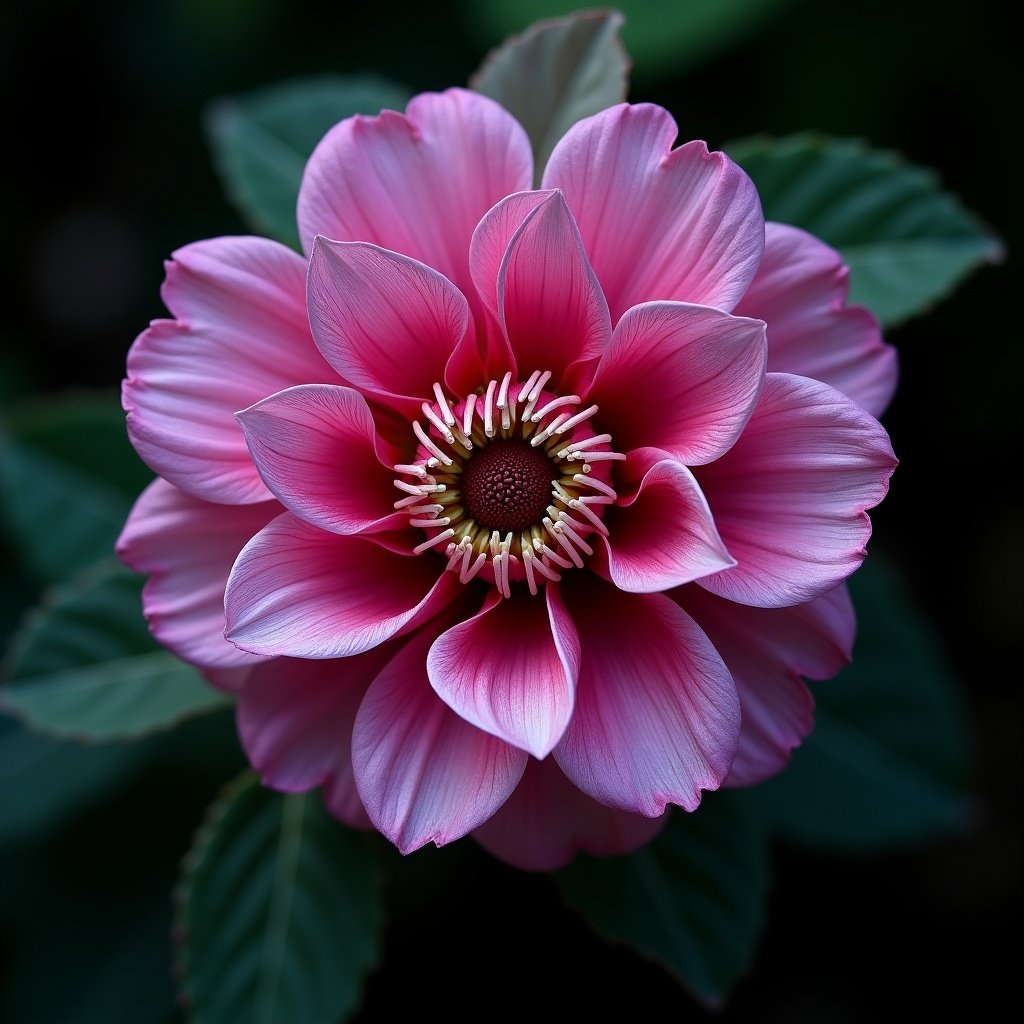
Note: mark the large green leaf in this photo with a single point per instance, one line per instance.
(663, 37)
(68, 477)
(278, 912)
(556, 73)
(84, 666)
(693, 900)
(887, 761)
(262, 140)
(907, 242)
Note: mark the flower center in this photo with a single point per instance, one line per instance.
(509, 482)
(507, 485)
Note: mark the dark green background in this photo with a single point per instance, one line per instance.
(107, 172)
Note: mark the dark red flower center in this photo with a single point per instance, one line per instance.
(507, 485)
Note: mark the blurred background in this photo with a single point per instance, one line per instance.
(108, 171)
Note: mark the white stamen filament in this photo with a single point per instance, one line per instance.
(427, 443)
(467, 416)
(441, 426)
(545, 432)
(434, 541)
(489, 409)
(555, 403)
(575, 421)
(423, 523)
(442, 404)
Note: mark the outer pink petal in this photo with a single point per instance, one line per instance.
(547, 821)
(657, 716)
(386, 323)
(790, 497)
(768, 650)
(800, 289)
(550, 305)
(300, 591)
(663, 535)
(241, 334)
(423, 773)
(188, 546)
(657, 222)
(418, 183)
(503, 672)
(295, 721)
(317, 449)
(681, 378)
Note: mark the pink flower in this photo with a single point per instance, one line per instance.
(528, 525)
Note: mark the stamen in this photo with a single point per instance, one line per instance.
(566, 523)
(556, 403)
(469, 571)
(442, 404)
(599, 457)
(592, 516)
(545, 432)
(528, 560)
(597, 485)
(503, 403)
(555, 557)
(534, 394)
(546, 570)
(467, 416)
(434, 541)
(412, 470)
(442, 427)
(427, 443)
(575, 421)
(429, 522)
(418, 491)
(525, 389)
(573, 450)
(489, 408)
(563, 542)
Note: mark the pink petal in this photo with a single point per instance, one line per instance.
(188, 547)
(300, 591)
(295, 721)
(416, 183)
(386, 323)
(657, 716)
(423, 773)
(241, 334)
(681, 378)
(662, 535)
(768, 650)
(547, 821)
(800, 289)
(790, 497)
(550, 305)
(503, 672)
(316, 448)
(657, 222)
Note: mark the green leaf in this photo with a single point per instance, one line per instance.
(666, 38)
(262, 140)
(278, 911)
(85, 667)
(556, 73)
(907, 242)
(887, 761)
(68, 477)
(693, 900)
